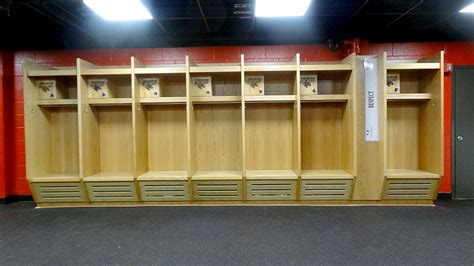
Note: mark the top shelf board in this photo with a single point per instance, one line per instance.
(412, 66)
(161, 70)
(215, 69)
(106, 71)
(326, 67)
(269, 68)
(52, 73)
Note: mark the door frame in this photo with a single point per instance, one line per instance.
(453, 128)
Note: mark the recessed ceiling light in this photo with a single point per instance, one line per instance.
(119, 9)
(468, 9)
(281, 8)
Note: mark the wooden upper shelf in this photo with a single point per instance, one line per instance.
(325, 98)
(110, 101)
(215, 69)
(106, 71)
(325, 67)
(56, 103)
(409, 96)
(271, 98)
(412, 66)
(269, 68)
(52, 73)
(161, 70)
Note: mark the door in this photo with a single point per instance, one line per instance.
(463, 114)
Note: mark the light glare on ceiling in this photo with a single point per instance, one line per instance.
(281, 8)
(119, 9)
(468, 9)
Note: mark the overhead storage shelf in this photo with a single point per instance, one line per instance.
(57, 103)
(52, 73)
(412, 66)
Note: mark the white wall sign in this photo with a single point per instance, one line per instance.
(371, 100)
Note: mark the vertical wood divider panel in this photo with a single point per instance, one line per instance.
(297, 127)
(139, 128)
(370, 155)
(33, 127)
(432, 120)
(34, 130)
(139, 120)
(89, 146)
(190, 127)
(349, 145)
(243, 107)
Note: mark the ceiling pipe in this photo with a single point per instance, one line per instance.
(203, 16)
(404, 14)
(360, 8)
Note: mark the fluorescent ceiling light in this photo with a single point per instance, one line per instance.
(119, 9)
(281, 8)
(468, 9)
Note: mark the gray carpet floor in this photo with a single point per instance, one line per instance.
(441, 235)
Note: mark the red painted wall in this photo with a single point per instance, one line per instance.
(456, 53)
(6, 122)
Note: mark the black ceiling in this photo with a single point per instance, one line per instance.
(67, 24)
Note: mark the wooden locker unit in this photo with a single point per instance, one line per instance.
(51, 136)
(272, 158)
(105, 135)
(164, 145)
(160, 133)
(414, 129)
(328, 133)
(215, 127)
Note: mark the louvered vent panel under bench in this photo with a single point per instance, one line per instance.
(59, 192)
(326, 189)
(111, 191)
(217, 190)
(402, 184)
(164, 190)
(271, 190)
(326, 185)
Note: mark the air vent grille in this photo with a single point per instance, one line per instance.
(271, 190)
(164, 190)
(59, 192)
(112, 191)
(326, 189)
(217, 190)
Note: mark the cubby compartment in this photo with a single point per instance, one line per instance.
(331, 82)
(217, 137)
(327, 149)
(415, 80)
(108, 87)
(274, 86)
(167, 138)
(172, 85)
(108, 143)
(57, 143)
(410, 135)
(270, 136)
(271, 151)
(216, 87)
(55, 88)
(162, 159)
